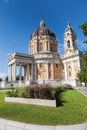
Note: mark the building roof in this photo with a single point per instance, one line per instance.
(42, 31)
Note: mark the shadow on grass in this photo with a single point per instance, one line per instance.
(59, 97)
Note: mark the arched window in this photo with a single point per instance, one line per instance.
(67, 34)
(70, 73)
(68, 44)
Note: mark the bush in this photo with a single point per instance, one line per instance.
(13, 92)
(36, 91)
(45, 91)
(55, 88)
(42, 91)
(66, 86)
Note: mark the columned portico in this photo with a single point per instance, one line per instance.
(17, 59)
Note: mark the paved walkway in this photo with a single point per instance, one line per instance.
(13, 125)
(82, 90)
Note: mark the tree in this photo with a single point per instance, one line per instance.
(6, 79)
(1, 79)
(82, 75)
(84, 28)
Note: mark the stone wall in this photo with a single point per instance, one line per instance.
(42, 102)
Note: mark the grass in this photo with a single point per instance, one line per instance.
(73, 111)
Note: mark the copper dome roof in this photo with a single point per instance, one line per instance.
(42, 31)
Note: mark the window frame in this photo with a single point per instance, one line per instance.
(41, 47)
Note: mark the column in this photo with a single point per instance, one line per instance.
(14, 72)
(32, 70)
(20, 73)
(47, 77)
(65, 70)
(35, 72)
(52, 68)
(9, 73)
(73, 70)
(24, 73)
(28, 72)
(48, 46)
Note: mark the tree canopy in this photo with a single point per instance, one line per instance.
(1, 79)
(82, 75)
(84, 28)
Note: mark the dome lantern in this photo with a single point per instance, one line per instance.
(42, 23)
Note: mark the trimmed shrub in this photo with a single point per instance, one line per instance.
(45, 91)
(42, 91)
(36, 91)
(55, 88)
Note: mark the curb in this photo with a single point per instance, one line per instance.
(14, 125)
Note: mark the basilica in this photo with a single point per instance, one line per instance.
(43, 64)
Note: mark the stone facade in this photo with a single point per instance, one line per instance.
(43, 63)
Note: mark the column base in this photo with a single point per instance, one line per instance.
(28, 82)
(19, 83)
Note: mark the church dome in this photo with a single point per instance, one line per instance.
(42, 31)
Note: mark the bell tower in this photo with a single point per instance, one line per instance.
(69, 40)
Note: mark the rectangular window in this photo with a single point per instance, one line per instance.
(41, 47)
(51, 49)
(41, 65)
(56, 65)
(47, 45)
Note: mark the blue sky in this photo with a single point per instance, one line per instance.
(19, 18)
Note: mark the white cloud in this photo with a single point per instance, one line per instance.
(3, 75)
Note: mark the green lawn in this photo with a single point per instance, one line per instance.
(73, 111)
